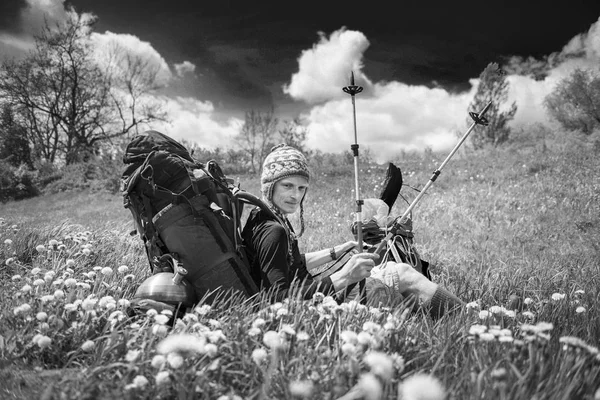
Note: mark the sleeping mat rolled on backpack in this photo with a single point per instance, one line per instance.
(188, 210)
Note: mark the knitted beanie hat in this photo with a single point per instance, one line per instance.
(283, 161)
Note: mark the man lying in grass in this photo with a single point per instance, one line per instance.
(276, 261)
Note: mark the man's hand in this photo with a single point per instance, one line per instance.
(357, 268)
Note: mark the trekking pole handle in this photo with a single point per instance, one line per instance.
(478, 119)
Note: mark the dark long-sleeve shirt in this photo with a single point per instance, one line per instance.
(276, 260)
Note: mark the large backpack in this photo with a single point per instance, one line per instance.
(187, 213)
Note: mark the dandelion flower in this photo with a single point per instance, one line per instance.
(203, 309)
(380, 364)
(106, 271)
(558, 296)
(9, 261)
(163, 378)
(528, 314)
(44, 342)
(303, 389)
(487, 337)
(483, 314)
(580, 310)
(53, 243)
(7, 242)
(86, 252)
(139, 382)
(258, 323)
(26, 288)
(70, 282)
(181, 343)
(349, 349)
(161, 319)
(59, 294)
(158, 361)
(160, 330)
(70, 262)
(41, 316)
(302, 336)
(580, 291)
(39, 248)
(123, 269)
(422, 387)
(272, 339)
(132, 355)
(39, 282)
(88, 346)
(472, 306)
(370, 386)
(259, 356)
(16, 277)
(175, 360)
(211, 350)
(477, 329)
(252, 332)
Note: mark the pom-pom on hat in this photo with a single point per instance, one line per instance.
(283, 161)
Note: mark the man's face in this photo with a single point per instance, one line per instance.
(289, 192)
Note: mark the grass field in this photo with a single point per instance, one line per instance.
(523, 221)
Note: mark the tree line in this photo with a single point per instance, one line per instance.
(60, 106)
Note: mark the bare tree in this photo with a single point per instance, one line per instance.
(257, 136)
(575, 101)
(67, 101)
(293, 133)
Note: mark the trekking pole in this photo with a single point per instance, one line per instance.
(353, 90)
(478, 119)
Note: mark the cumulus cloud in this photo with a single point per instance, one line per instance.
(194, 120)
(185, 67)
(392, 116)
(325, 69)
(118, 51)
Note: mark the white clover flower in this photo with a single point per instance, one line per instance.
(39, 248)
(158, 361)
(528, 301)
(211, 350)
(70, 307)
(151, 312)
(106, 271)
(302, 336)
(70, 262)
(7, 242)
(53, 243)
(86, 252)
(370, 386)
(16, 277)
(88, 346)
(59, 294)
(175, 360)
(89, 303)
(580, 310)
(580, 291)
(510, 313)
(123, 269)
(380, 364)
(558, 296)
(259, 356)
(182, 343)
(162, 378)
(422, 387)
(505, 339)
(41, 316)
(302, 389)
(23, 309)
(26, 288)
(287, 330)
(483, 314)
(91, 274)
(364, 338)
(38, 282)
(272, 339)
(472, 306)
(44, 342)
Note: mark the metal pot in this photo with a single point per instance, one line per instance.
(168, 287)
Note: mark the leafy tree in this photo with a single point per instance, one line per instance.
(14, 147)
(293, 133)
(257, 136)
(575, 101)
(493, 87)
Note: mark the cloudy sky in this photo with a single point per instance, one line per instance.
(418, 61)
